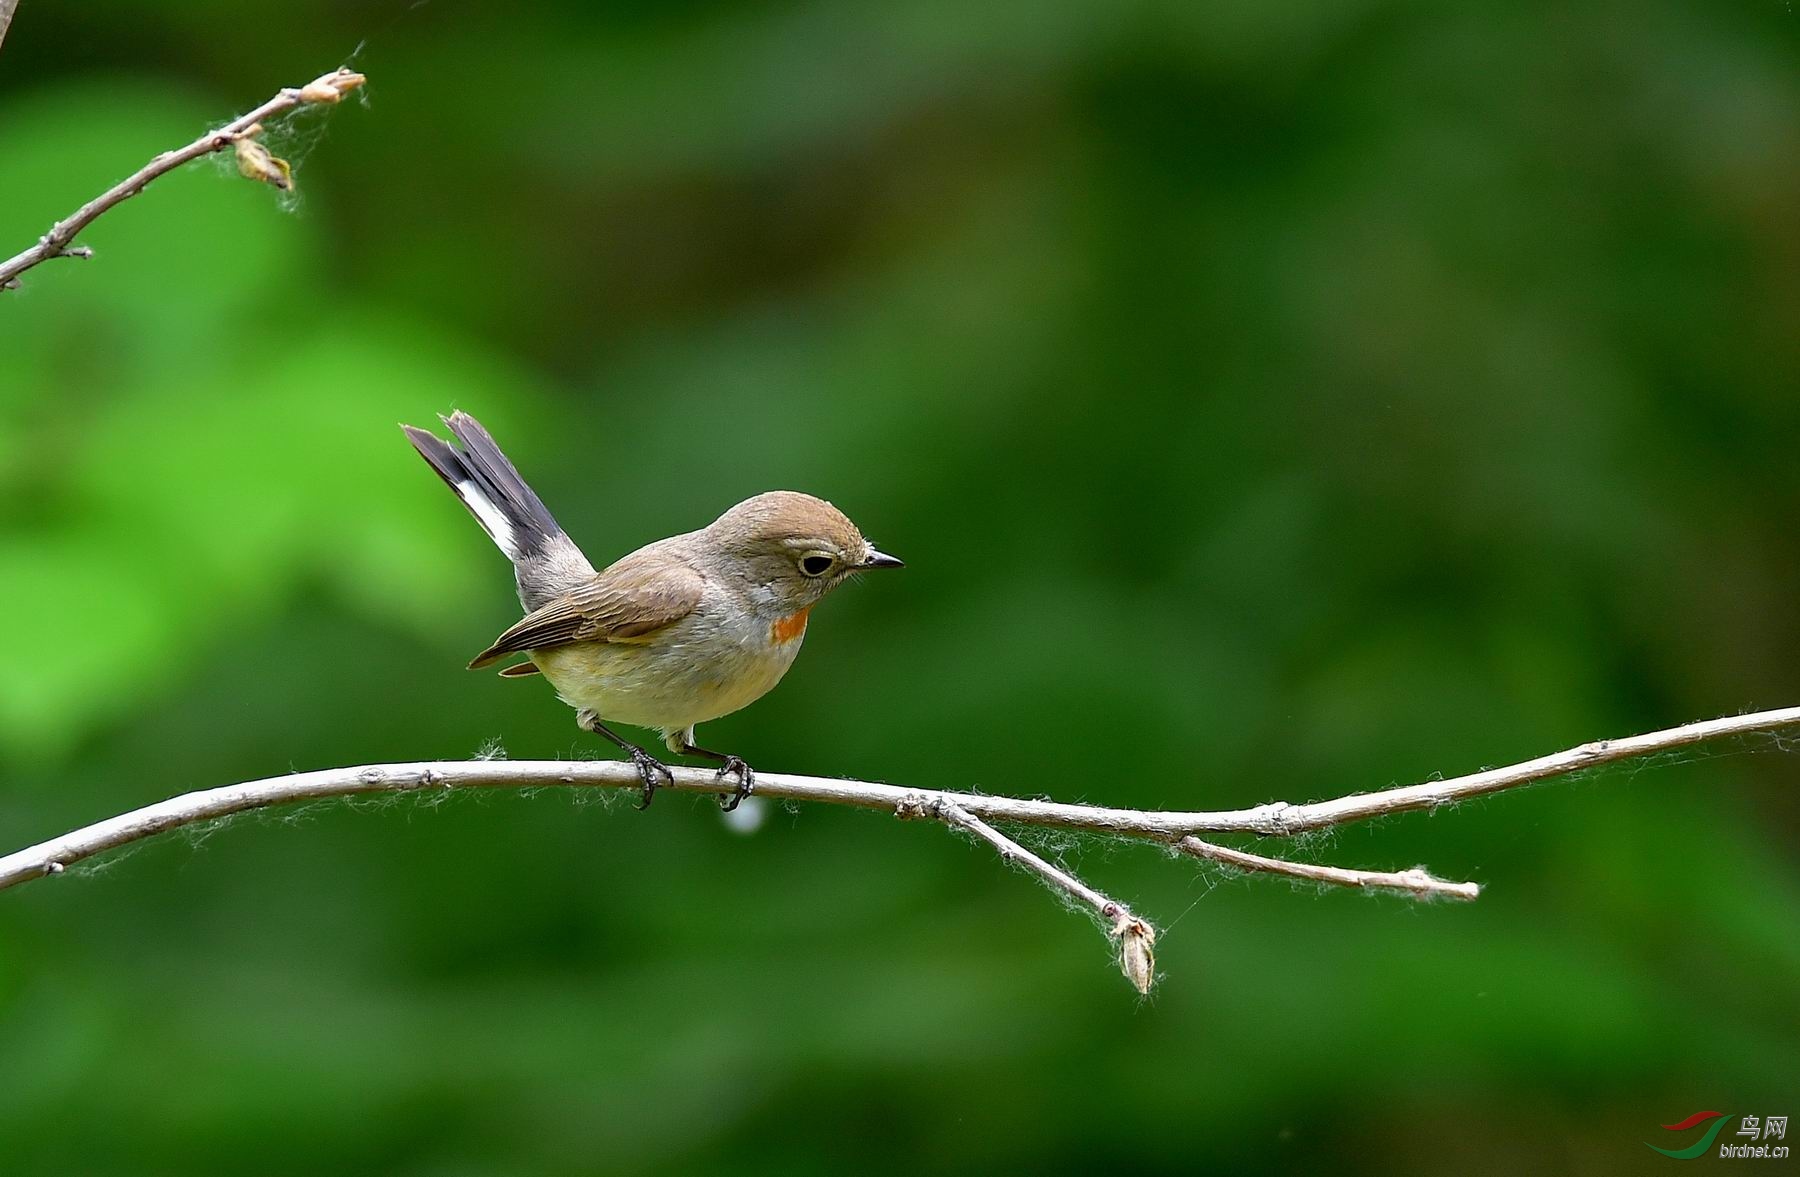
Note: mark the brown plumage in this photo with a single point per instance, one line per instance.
(629, 601)
(682, 630)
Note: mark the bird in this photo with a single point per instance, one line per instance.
(675, 634)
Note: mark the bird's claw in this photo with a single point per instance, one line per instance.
(649, 768)
(746, 782)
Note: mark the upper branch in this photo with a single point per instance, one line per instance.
(58, 242)
(6, 15)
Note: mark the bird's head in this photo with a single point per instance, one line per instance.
(790, 549)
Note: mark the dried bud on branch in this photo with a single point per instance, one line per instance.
(1137, 951)
(331, 87)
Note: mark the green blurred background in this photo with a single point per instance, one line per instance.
(1270, 402)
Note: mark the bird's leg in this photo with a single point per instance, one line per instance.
(648, 766)
(729, 766)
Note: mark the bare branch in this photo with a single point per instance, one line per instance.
(1417, 882)
(968, 811)
(1282, 819)
(1137, 939)
(1277, 818)
(950, 813)
(326, 89)
(7, 7)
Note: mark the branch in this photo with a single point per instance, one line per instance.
(1417, 882)
(253, 160)
(1136, 937)
(7, 8)
(970, 811)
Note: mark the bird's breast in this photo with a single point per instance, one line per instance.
(711, 663)
(785, 629)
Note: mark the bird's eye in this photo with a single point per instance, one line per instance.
(816, 565)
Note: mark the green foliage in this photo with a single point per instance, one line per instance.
(1268, 403)
(184, 428)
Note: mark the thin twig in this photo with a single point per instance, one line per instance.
(1279, 818)
(1137, 939)
(950, 813)
(1417, 882)
(58, 241)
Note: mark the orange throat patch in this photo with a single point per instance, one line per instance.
(788, 628)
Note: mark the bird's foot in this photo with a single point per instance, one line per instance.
(734, 766)
(649, 768)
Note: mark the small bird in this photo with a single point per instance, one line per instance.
(677, 633)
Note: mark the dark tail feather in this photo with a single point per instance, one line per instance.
(507, 509)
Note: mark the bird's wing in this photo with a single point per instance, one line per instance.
(627, 603)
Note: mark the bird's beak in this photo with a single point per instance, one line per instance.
(882, 560)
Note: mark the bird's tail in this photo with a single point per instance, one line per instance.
(507, 509)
